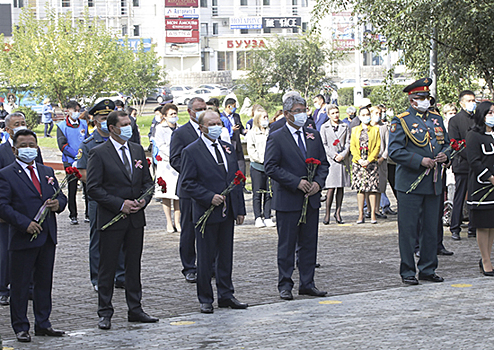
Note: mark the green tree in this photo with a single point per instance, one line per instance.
(62, 59)
(464, 34)
(290, 64)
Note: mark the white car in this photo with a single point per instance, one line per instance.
(202, 93)
(216, 89)
(179, 91)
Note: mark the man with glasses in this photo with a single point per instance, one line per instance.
(286, 152)
(458, 127)
(181, 138)
(418, 142)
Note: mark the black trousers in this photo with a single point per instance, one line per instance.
(36, 263)
(391, 177)
(187, 246)
(216, 244)
(261, 202)
(291, 235)
(4, 260)
(461, 187)
(110, 243)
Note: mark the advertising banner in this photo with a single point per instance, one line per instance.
(182, 12)
(181, 3)
(182, 49)
(281, 22)
(182, 36)
(245, 22)
(181, 24)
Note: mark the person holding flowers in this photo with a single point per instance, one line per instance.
(296, 162)
(211, 178)
(365, 145)
(26, 186)
(480, 154)
(419, 144)
(335, 136)
(117, 176)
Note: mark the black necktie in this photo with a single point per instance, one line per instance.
(301, 143)
(219, 158)
(126, 161)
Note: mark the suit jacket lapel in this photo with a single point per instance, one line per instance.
(116, 158)
(192, 130)
(309, 142)
(291, 141)
(207, 155)
(22, 174)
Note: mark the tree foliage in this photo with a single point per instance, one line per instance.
(64, 59)
(464, 36)
(289, 64)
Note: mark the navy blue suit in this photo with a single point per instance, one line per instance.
(7, 157)
(285, 164)
(19, 203)
(181, 138)
(202, 179)
(319, 119)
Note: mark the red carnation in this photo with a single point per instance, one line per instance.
(149, 161)
(69, 170)
(236, 181)
(158, 158)
(309, 161)
(76, 172)
(316, 162)
(239, 176)
(162, 184)
(337, 141)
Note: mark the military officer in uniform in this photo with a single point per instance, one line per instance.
(100, 113)
(418, 141)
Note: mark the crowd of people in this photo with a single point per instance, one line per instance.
(299, 158)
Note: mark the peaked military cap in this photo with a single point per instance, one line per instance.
(103, 107)
(419, 87)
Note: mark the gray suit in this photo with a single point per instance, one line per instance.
(339, 173)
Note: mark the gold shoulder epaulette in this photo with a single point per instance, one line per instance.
(404, 114)
(434, 112)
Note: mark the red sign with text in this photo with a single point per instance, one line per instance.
(245, 44)
(182, 36)
(181, 3)
(181, 24)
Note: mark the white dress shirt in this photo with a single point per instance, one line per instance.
(210, 147)
(196, 127)
(118, 147)
(27, 171)
(295, 136)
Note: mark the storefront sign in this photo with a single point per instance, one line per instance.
(181, 3)
(177, 49)
(134, 44)
(245, 22)
(182, 12)
(281, 22)
(245, 44)
(181, 24)
(182, 36)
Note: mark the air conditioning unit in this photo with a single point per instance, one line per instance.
(224, 23)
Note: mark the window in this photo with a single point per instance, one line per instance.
(225, 60)
(266, 2)
(372, 59)
(65, 3)
(124, 30)
(135, 3)
(267, 30)
(123, 7)
(244, 59)
(204, 29)
(215, 29)
(214, 9)
(244, 31)
(15, 3)
(243, 2)
(304, 3)
(136, 31)
(90, 3)
(304, 27)
(294, 30)
(204, 3)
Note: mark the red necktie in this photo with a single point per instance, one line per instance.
(34, 178)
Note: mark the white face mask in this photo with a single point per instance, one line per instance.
(489, 120)
(264, 123)
(173, 120)
(470, 107)
(376, 118)
(299, 119)
(317, 106)
(422, 105)
(365, 119)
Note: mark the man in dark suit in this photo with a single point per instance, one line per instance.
(25, 186)
(320, 116)
(281, 122)
(208, 167)
(181, 138)
(237, 129)
(284, 162)
(13, 122)
(117, 174)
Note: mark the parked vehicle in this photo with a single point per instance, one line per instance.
(161, 95)
(216, 89)
(202, 93)
(180, 90)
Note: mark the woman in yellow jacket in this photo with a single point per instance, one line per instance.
(365, 144)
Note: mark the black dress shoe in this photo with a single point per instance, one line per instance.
(367, 215)
(286, 295)
(431, 278)
(456, 236)
(50, 332)
(73, 221)
(207, 308)
(472, 233)
(86, 219)
(389, 211)
(233, 303)
(444, 251)
(141, 317)
(312, 292)
(246, 191)
(191, 277)
(323, 199)
(339, 221)
(23, 337)
(104, 323)
(4, 300)
(412, 280)
(381, 216)
(318, 265)
(119, 284)
(486, 273)
(325, 222)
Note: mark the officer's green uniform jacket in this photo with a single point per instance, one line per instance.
(88, 144)
(411, 139)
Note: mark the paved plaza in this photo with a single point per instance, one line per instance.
(367, 306)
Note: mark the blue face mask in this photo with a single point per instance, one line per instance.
(125, 132)
(489, 120)
(104, 126)
(22, 127)
(299, 119)
(365, 119)
(234, 109)
(214, 131)
(75, 115)
(470, 107)
(27, 154)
